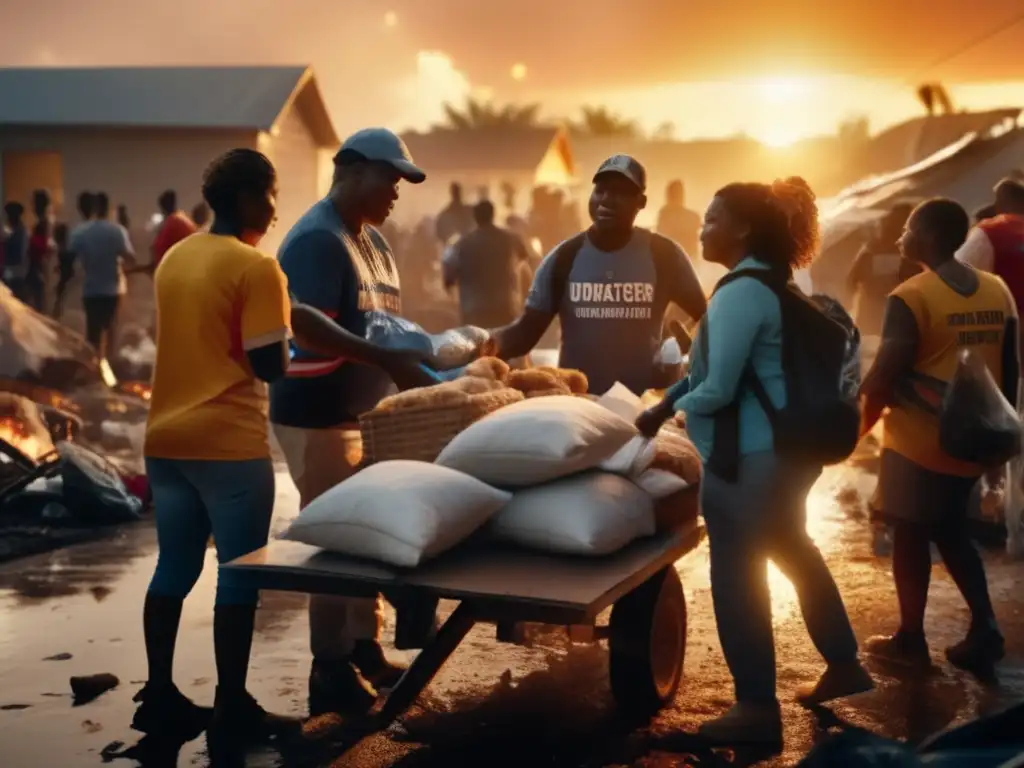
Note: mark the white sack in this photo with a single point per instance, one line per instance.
(595, 513)
(537, 440)
(397, 512)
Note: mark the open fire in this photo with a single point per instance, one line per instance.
(20, 435)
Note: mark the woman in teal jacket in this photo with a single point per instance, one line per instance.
(759, 514)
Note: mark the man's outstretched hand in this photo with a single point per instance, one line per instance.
(406, 369)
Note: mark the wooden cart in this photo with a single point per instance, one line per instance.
(646, 633)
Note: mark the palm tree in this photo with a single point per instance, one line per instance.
(601, 121)
(665, 132)
(478, 114)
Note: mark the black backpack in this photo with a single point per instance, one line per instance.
(820, 424)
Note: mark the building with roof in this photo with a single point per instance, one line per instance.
(980, 149)
(134, 132)
(491, 162)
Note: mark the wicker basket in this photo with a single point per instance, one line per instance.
(421, 433)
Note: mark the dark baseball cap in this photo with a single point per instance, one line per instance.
(627, 166)
(384, 146)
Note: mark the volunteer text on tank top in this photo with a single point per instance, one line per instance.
(947, 322)
(610, 315)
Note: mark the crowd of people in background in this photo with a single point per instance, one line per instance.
(925, 284)
(40, 258)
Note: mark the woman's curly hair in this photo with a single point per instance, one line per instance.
(233, 173)
(783, 220)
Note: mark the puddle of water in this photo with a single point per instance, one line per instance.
(87, 601)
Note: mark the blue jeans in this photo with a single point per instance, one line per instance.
(233, 500)
(761, 517)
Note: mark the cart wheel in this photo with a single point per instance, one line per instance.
(647, 644)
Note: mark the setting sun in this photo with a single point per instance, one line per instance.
(779, 138)
(783, 103)
(518, 71)
(781, 90)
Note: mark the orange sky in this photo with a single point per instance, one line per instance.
(711, 68)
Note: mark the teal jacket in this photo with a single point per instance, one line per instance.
(744, 327)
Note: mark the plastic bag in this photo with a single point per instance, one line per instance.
(442, 351)
(93, 490)
(976, 422)
(1013, 504)
(859, 749)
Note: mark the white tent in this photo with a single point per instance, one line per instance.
(965, 171)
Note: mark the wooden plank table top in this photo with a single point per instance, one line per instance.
(493, 574)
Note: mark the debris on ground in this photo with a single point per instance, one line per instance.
(59, 657)
(90, 687)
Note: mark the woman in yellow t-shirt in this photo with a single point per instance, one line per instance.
(929, 320)
(222, 317)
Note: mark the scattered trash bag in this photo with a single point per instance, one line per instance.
(93, 489)
(1013, 495)
(860, 749)
(976, 421)
(1002, 729)
(442, 351)
(972, 758)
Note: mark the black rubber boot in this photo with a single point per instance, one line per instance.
(237, 719)
(161, 615)
(168, 712)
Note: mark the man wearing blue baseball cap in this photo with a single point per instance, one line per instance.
(338, 262)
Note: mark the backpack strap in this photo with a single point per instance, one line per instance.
(564, 254)
(725, 450)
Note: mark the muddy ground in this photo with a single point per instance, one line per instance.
(77, 612)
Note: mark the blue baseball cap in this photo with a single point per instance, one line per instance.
(384, 146)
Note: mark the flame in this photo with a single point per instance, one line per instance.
(16, 433)
(139, 389)
(107, 373)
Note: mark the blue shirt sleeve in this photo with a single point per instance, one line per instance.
(735, 318)
(318, 269)
(540, 298)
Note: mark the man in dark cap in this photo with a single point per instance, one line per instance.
(610, 286)
(337, 261)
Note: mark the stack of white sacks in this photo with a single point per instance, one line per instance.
(558, 474)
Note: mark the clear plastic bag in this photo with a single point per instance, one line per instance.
(976, 421)
(455, 348)
(1013, 504)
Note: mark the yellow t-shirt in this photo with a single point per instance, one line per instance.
(215, 298)
(947, 322)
